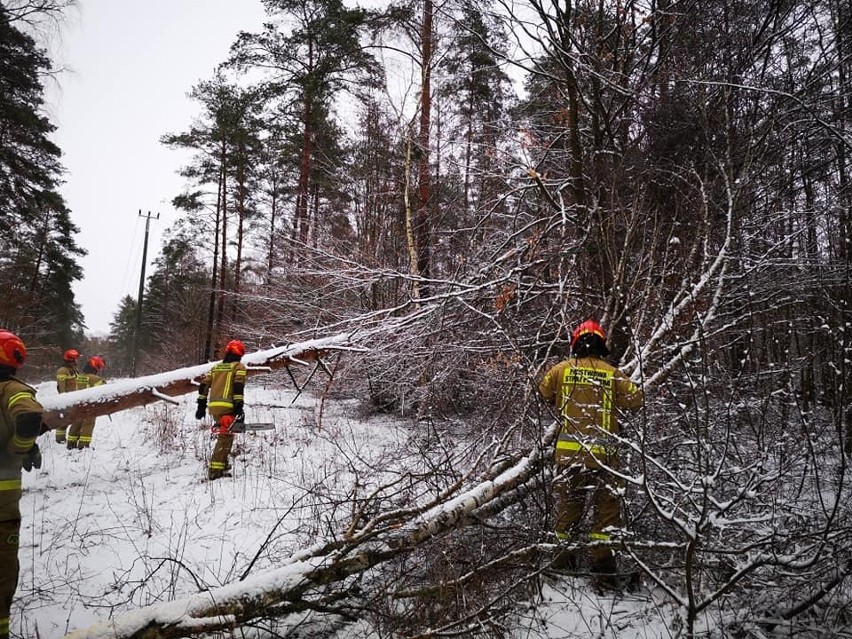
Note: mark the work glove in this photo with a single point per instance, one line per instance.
(202, 408)
(32, 459)
(239, 416)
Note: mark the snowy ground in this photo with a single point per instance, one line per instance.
(132, 522)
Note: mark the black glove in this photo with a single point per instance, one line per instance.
(202, 408)
(32, 458)
(238, 412)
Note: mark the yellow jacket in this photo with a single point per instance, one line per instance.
(66, 379)
(88, 380)
(20, 423)
(588, 393)
(226, 383)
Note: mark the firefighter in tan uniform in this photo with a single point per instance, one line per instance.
(588, 393)
(221, 394)
(20, 425)
(66, 381)
(80, 432)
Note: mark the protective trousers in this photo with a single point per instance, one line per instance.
(575, 489)
(10, 528)
(219, 463)
(219, 459)
(80, 433)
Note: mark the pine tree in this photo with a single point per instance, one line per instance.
(320, 57)
(38, 253)
(477, 93)
(227, 149)
(174, 315)
(122, 333)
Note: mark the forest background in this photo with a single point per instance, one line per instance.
(678, 170)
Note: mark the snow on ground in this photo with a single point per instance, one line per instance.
(133, 522)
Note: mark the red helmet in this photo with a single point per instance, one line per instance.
(587, 327)
(70, 355)
(97, 362)
(236, 347)
(12, 350)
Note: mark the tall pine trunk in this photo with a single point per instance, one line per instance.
(214, 277)
(422, 222)
(223, 264)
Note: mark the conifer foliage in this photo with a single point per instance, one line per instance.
(38, 253)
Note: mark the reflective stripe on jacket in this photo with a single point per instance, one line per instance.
(66, 379)
(17, 436)
(226, 382)
(587, 392)
(88, 380)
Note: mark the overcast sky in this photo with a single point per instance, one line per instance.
(131, 64)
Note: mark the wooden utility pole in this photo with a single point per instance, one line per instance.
(148, 217)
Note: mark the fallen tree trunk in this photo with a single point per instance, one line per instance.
(61, 410)
(305, 580)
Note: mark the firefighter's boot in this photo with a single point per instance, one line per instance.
(605, 572)
(564, 559)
